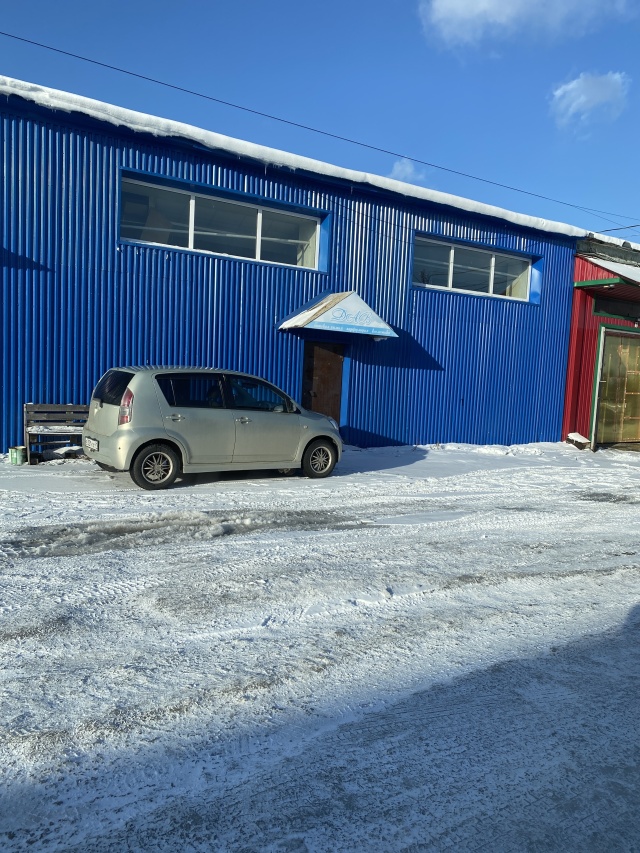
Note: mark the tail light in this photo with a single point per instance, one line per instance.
(125, 412)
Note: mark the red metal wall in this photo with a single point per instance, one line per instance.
(583, 343)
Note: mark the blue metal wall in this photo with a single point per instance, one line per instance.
(75, 301)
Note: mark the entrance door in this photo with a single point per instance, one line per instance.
(619, 407)
(322, 378)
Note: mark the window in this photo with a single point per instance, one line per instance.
(171, 217)
(227, 229)
(287, 239)
(191, 390)
(251, 394)
(112, 386)
(155, 215)
(616, 308)
(471, 270)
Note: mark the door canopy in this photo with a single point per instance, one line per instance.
(340, 312)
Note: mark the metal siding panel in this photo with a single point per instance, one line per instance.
(584, 270)
(76, 302)
(483, 369)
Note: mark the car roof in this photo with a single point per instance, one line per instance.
(176, 368)
(152, 369)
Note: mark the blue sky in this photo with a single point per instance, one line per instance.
(538, 94)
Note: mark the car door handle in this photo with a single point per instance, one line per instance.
(175, 417)
(243, 420)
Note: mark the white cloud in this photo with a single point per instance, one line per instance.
(590, 96)
(469, 21)
(407, 171)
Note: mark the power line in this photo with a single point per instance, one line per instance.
(622, 228)
(326, 133)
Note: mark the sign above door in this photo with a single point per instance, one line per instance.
(340, 312)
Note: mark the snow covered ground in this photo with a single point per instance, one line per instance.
(435, 649)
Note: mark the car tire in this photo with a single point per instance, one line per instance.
(319, 458)
(155, 467)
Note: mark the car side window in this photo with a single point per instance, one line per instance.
(247, 393)
(191, 390)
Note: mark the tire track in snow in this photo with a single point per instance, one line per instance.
(157, 529)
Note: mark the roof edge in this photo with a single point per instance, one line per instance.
(58, 100)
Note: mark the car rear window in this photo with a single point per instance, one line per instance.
(112, 386)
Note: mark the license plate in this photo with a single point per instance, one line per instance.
(91, 443)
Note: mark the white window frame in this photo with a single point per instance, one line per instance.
(259, 208)
(494, 255)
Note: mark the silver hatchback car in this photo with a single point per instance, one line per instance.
(158, 422)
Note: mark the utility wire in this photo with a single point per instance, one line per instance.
(622, 228)
(314, 129)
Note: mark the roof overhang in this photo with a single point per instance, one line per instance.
(627, 271)
(339, 312)
(622, 283)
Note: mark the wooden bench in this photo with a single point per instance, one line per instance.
(51, 426)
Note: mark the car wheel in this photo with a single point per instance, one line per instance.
(155, 467)
(319, 458)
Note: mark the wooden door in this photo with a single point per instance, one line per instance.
(322, 378)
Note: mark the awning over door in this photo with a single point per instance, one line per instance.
(625, 287)
(626, 271)
(340, 312)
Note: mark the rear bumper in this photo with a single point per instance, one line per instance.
(112, 450)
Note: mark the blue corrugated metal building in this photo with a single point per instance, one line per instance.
(133, 240)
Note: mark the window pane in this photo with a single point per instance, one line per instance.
(253, 394)
(112, 386)
(288, 239)
(431, 264)
(471, 270)
(619, 409)
(154, 215)
(224, 228)
(511, 277)
(191, 390)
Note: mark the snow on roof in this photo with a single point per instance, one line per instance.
(56, 99)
